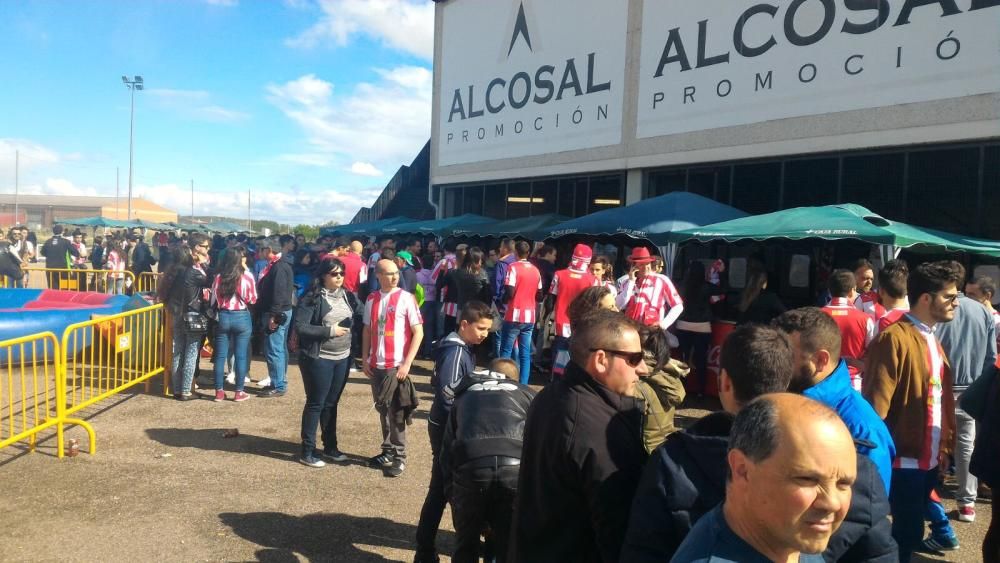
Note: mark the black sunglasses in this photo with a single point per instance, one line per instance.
(335, 273)
(633, 359)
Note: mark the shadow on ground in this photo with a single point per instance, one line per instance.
(213, 439)
(324, 536)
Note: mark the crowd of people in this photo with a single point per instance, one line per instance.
(838, 421)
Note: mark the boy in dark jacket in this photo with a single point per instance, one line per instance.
(453, 361)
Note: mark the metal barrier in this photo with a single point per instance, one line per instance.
(32, 390)
(115, 282)
(148, 281)
(44, 381)
(108, 355)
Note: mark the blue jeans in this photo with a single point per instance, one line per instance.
(908, 499)
(185, 357)
(276, 351)
(324, 381)
(521, 332)
(430, 311)
(234, 328)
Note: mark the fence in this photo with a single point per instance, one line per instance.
(29, 387)
(148, 281)
(104, 281)
(93, 361)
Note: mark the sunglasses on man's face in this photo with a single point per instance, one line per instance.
(633, 359)
(335, 274)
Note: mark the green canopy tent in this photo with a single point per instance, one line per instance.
(191, 227)
(142, 223)
(656, 220)
(438, 227)
(524, 226)
(97, 222)
(838, 222)
(371, 228)
(227, 227)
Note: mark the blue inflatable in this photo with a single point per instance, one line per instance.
(30, 311)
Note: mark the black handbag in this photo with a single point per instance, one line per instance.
(195, 323)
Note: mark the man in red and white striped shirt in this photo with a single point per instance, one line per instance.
(651, 298)
(892, 292)
(867, 299)
(390, 341)
(449, 305)
(908, 381)
(857, 329)
(522, 292)
(566, 286)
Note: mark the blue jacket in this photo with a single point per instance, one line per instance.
(865, 425)
(453, 361)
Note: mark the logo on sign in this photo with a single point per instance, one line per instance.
(520, 30)
(531, 88)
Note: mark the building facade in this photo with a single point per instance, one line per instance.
(43, 211)
(573, 106)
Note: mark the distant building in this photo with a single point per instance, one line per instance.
(43, 211)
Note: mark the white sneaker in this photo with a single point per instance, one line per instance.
(266, 382)
(231, 378)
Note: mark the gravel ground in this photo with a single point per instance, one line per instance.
(165, 485)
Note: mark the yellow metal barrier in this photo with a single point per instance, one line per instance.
(116, 282)
(148, 281)
(44, 381)
(32, 390)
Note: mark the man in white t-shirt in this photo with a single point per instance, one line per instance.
(389, 344)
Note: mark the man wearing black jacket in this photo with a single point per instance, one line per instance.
(274, 302)
(481, 458)
(686, 476)
(56, 251)
(583, 451)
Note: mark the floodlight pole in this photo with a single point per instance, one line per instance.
(135, 84)
(17, 167)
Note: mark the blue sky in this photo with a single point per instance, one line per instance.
(309, 104)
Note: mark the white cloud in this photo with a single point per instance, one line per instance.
(365, 169)
(58, 187)
(31, 154)
(383, 124)
(404, 25)
(194, 104)
(292, 207)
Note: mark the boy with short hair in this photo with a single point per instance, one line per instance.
(454, 360)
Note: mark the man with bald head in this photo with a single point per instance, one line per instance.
(791, 464)
(355, 270)
(389, 344)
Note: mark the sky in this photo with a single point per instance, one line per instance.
(310, 105)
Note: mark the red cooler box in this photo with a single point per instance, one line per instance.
(720, 330)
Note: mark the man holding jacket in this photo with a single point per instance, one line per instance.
(274, 302)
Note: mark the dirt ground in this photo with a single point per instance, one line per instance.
(165, 485)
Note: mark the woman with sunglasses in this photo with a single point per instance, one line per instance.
(323, 322)
(233, 291)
